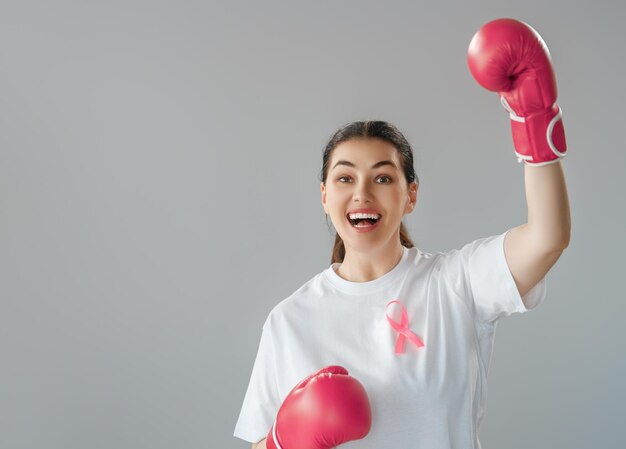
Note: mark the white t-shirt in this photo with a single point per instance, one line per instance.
(430, 397)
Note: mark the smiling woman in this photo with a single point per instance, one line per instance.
(334, 366)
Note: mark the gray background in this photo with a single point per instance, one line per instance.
(159, 195)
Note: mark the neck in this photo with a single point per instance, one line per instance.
(368, 266)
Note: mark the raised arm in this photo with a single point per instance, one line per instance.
(509, 57)
(534, 247)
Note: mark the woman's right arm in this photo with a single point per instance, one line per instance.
(260, 444)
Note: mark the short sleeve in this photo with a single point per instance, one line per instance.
(479, 273)
(261, 402)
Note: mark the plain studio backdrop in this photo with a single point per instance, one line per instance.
(159, 194)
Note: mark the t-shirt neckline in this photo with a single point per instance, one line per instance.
(377, 284)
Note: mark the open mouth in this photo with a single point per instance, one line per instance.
(362, 222)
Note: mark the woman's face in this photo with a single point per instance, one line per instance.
(358, 178)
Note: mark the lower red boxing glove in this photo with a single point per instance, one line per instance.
(509, 57)
(324, 410)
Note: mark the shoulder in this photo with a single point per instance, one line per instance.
(490, 246)
(290, 305)
(453, 265)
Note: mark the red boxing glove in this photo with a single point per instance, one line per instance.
(324, 410)
(509, 57)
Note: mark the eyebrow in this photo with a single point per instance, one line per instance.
(376, 165)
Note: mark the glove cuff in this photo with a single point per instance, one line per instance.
(539, 138)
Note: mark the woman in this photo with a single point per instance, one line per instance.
(415, 328)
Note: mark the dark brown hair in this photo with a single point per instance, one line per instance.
(370, 130)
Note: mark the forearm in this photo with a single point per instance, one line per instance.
(260, 444)
(549, 221)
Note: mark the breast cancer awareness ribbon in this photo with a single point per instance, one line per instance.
(402, 329)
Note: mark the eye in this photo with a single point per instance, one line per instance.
(382, 176)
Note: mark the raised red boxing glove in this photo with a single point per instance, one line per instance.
(324, 410)
(509, 57)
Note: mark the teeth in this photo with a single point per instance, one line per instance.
(362, 216)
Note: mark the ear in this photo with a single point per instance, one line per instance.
(412, 196)
(323, 192)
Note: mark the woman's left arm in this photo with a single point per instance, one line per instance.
(534, 247)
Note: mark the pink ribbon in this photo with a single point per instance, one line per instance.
(403, 329)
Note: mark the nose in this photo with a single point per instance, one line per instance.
(361, 193)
